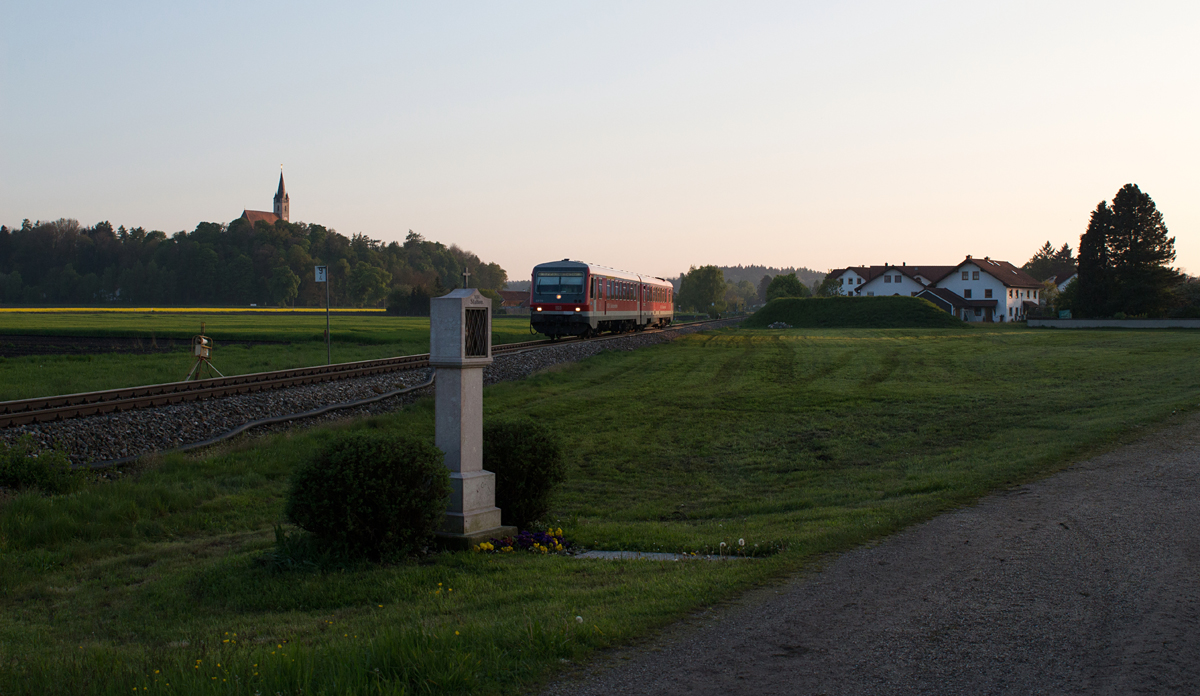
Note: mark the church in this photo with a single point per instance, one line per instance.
(281, 208)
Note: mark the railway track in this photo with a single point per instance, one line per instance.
(56, 408)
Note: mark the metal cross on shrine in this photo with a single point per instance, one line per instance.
(466, 278)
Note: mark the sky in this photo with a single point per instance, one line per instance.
(648, 136)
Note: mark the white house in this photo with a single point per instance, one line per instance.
(1062, 281)
(871, 281)
(998, 290)
(974, 290)
(850, 278)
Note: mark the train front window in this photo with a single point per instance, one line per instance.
(559, 285)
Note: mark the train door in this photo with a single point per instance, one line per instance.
(641, 300)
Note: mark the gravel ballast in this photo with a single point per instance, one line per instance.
(133, 433)
(1085, 582)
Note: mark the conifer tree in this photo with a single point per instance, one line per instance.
(1124, 259)
(1140, 254)
(1094, 280)
(1042, 262)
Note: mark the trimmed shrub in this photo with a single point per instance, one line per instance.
(527, 459)
(854, 313)
(371, 494)
(22, 466)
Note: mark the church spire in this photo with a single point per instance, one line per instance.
(281, 198)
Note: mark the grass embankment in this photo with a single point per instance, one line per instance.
(800, 443)
(298, 340)
(853, 313)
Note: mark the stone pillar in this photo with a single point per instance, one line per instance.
(460, 346)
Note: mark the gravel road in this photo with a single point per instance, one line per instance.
(1086, 582)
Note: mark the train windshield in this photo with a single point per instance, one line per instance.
(558, 285)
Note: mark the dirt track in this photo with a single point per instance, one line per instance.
(1086, 582)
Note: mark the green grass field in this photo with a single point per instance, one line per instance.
(301, 337)
(799, 442)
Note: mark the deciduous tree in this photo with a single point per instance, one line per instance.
(828, 287)
(786, 286)
(703, 290)
(283, 285)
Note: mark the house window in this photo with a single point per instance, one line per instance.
(1010, 293)
(870, 294)
(897, 279)
(967, 293)
(842, 281)
(974, 275)
(1010, 313)
(987, 293)
(966, 275)
(887, 279)
(860, 281)
(978, 312)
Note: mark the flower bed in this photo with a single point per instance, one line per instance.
(549, 541)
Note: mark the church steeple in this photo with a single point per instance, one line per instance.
(281, 198)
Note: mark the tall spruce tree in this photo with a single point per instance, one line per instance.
(1124, 259)
(1140, 254)
(1042, 262)
(1095, 282)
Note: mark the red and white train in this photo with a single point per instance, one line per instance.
(572, 298)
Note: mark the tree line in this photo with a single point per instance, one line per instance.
(62, 262)
(709, 289)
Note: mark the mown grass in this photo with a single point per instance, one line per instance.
(301, 342)
(800, 443)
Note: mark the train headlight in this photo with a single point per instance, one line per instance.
(577, 309)
(539, 309)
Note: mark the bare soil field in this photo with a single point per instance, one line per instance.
(1084, 582)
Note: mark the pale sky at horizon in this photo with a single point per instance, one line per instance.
(646, 136)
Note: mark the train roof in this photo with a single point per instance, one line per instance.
(602, 270)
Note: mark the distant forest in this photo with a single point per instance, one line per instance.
(754, 274)
(61, 262)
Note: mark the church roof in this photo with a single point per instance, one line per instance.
(282, 189)
(253, 216)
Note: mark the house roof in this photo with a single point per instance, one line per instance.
(1003, 271)
(513, 298)
(930, 273)
(954, 299)
(253, 216)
